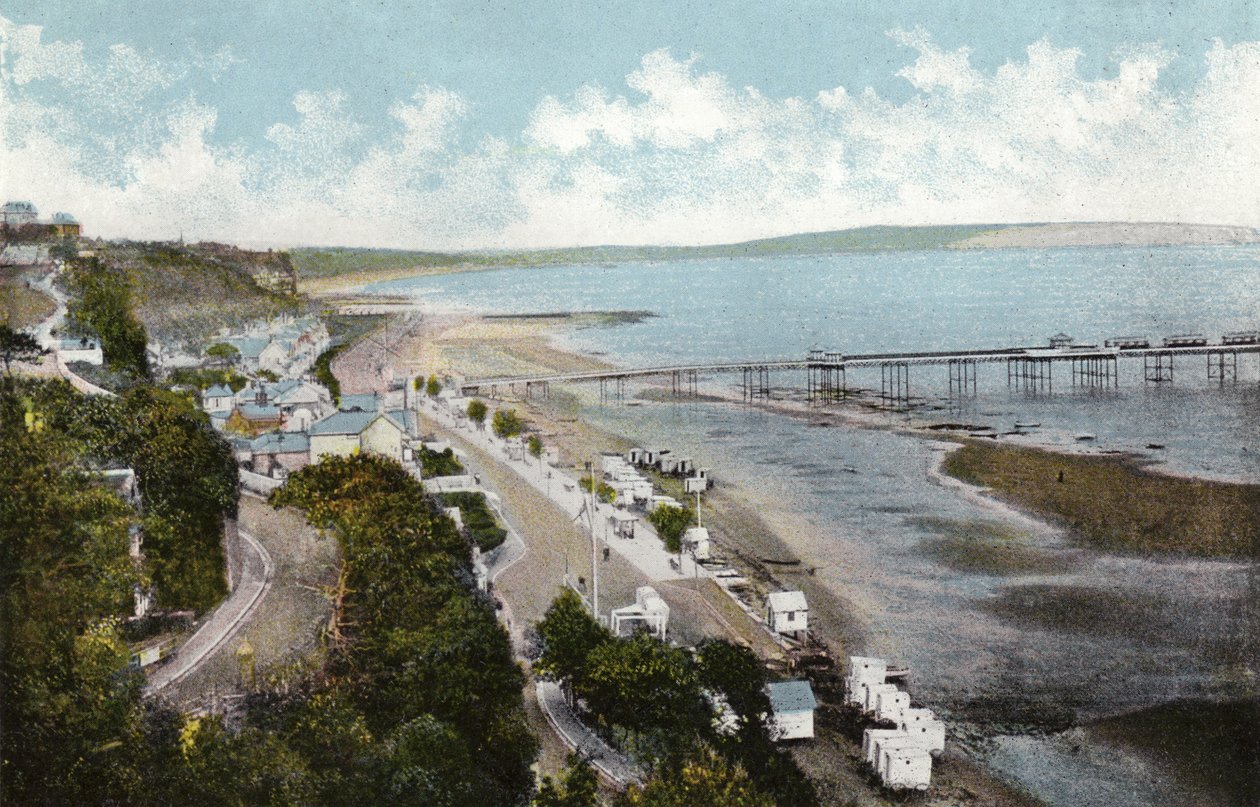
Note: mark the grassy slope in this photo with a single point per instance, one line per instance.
(1116, 505)
(21, 307)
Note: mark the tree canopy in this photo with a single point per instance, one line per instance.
(507, 423)
(670, 523)
(477, 412)
(18, 346)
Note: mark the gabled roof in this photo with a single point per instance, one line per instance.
(344, 423)
(256, 412)
(787, 601)
(791, 696)
(280, 443)
(249, 346)
(364, 400)
(218, 391)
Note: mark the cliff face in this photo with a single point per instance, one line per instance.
(184, 294)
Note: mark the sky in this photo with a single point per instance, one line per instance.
(457, 125)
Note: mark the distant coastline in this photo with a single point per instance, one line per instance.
(329, 271)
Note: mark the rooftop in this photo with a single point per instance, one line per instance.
(344, 423)
(791, 696)
(787, 601)
(280, 443)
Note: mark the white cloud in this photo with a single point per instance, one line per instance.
(678, 156)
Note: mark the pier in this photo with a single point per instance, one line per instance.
(1030, 369)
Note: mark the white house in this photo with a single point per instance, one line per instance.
(696, 542)
(218, 398)
(792, 706)
(787, 612)
(648, 608)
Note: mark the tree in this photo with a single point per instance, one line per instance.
(507, 423)
(224, 354)
(433, 387)
(642, 684)
(535, 446)
(606, 492)
(670, 523)
(705, 781)
(477, 412)
(569, 633)
(18, 346)
(102, 304)
(577, 787)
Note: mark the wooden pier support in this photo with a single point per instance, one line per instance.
(536, 386)
(1095, 372)
(756, 383)
(617, 391)
(1158, 368)
(1222, 367)
(684, 383)
(962, 377)
(894, 384)
(1030, 374)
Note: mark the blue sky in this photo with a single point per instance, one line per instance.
(470, 124)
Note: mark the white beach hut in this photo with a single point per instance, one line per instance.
(695, 542)
(890, 705)
(792, 706)
(923, 726)
(648, 608)
(906, 769)
(787, 612)
(870, 740)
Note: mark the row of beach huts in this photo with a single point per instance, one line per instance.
(901, 747)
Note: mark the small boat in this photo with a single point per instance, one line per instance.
(1086, 436)
(779, 562)
(1021, 425)
(1155, 445)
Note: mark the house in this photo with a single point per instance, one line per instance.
(218, 398)
(348, 433)
(695, 542)
(16, 214)
(787, 612)
(82, 349)
(792, 706)
(648, 608)
(277, 454)
(250, 348)
(254, 419)
(64, 225)
(364, 402)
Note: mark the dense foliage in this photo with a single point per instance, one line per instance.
(438, 463)
(649, 699)
(670, 523)
(101, 304)
(18, 346)
(606, 492)
(482, 527)
(577, 786)
(186, 474)
(433, 387)
(507, 423)
(477, 412)
(423, 680)
(324, 374)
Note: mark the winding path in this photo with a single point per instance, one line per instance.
(256, 575)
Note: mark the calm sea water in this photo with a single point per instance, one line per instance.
(1005, 656)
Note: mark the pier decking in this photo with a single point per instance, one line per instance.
(1027, 368)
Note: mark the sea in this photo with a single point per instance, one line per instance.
(1024, 658)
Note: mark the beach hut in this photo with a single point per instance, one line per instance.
(642, 491)
(863, 670)
(622, 522)
(667, 464)
(635, 456)
(684, 466)
(906, 768)
(792, 706)
(694, 484)
(890, 705)
(668, 501)
(787, 612)
(695, 542)
(870, 740)
(873, 692)
(925, 728)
